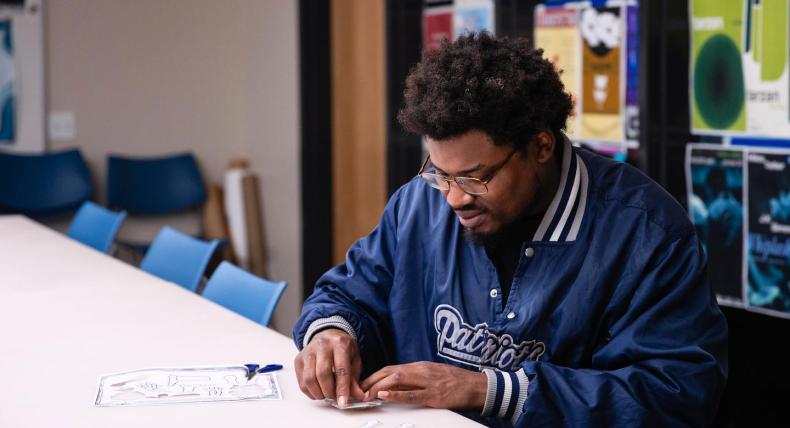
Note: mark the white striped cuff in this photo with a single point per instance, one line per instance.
(335, 321)
(488, 408)
(506, 394)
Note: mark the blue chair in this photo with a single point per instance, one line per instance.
(178, 257)
(244, 293)
(43, 184)
(95, 226)
(154, 185)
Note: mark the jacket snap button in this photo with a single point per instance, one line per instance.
(529, 252)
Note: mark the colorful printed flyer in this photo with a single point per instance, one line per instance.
(473, 16)
(738, 72)
(767, 251)
(714, 179)
(601, 31)
(556, 32)
(437, 25)
(632, 75)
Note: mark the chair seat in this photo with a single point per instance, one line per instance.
(95, 226)
(244, 293)
(142, 247)
(177, 257)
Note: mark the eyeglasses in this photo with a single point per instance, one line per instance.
(470, 185)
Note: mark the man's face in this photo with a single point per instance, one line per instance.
(515, 190)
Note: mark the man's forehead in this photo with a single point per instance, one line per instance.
(468, 153)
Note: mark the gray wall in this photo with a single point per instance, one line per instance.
(219, 78)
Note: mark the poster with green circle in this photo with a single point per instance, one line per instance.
(717, 82)
(738, 68)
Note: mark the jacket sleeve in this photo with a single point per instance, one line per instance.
(354, 295)
(662, 363)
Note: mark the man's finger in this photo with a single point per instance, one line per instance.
(415, 396)
(356, 391)
(376, 377)
(323, 372)
(308, 378)
(401, 378)
(342, 364)
(299, 368)
(356, 368)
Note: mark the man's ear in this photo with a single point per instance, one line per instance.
(543, 144)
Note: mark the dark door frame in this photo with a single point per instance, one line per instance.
(316, 149)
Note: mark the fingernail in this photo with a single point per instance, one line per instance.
(342, 401)
(383, 394)
(366, 395)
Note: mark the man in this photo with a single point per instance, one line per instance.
(517, 279)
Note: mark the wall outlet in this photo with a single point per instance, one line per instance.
(62, 125)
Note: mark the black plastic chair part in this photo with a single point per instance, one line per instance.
(154, 185)
(40, 185)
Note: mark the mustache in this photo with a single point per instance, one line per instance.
(470, 207)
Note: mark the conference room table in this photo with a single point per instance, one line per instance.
(70, 315)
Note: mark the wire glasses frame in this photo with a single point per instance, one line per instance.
(469, 185)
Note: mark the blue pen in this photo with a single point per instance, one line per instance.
(270, 368)
(253, 369)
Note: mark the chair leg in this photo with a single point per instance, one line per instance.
(127, 253)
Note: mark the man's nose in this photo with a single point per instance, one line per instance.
(457, 198)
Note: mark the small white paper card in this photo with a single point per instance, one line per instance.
(185, 385)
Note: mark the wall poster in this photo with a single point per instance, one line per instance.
(22, 77)
(768, 231)
(473, 16)
(437, 25)
(556, 32)
(714, 179)
(601, 98)
(738, 68)
(597, 47)
(739, 202)
(7, 84)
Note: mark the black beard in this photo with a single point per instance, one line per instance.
(476, 238)
(522, 227)
(518, 229)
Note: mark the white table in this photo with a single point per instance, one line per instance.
(69, 315)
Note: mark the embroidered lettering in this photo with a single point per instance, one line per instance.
(478, 347)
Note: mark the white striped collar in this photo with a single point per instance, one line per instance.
(566, 211)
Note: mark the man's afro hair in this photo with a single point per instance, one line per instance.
(498, 85)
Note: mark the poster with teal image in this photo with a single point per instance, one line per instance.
(714, 177)
(767, 250)
(7, 85)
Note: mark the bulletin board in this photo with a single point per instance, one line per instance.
(22, 76)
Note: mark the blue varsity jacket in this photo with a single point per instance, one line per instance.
(610, 321)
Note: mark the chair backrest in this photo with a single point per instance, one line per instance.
(177, 257)
(95, 226)
(43, 184)
(154, 185)
(244, 293)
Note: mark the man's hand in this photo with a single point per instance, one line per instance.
(329, 367)
(429, 384)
